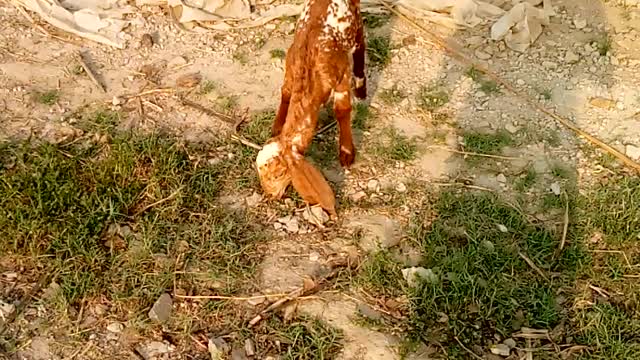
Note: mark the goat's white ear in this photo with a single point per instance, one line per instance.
(312, 186)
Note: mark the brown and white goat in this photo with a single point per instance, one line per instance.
(327, 54)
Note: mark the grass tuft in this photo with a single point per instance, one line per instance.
(49, 97)
(278, 54)
(379, 50)
(431, 98)
(396, 147)
(486, 143)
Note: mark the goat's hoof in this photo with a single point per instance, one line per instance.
(361, 92)
(347, 158)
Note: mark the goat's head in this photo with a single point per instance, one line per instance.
(272, 169)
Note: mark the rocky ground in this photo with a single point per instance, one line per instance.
(419, 134)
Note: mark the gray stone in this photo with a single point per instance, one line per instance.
(510, 343)
(501, 178)
(161, 310)
(414, 275)
(571, 58)
(315, 215)
(358, 196)
(154, 349)
(380, 232)
(500, 349)
(580, 23)
(368, 312)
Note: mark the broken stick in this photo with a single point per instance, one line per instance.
(90, 73)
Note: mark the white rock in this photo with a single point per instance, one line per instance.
(632, 151)
(115, 327)
(503, 228)
(315, 215)
(358, 196)
(571, 57)
(253, 200)
(372, 185)
(482, 55)
(555, 188)
(290, 223)
(501, 178)
(177, 61)
(401, 187)
(500, 349)
(580, 23)
(511, 128)
(414, 275)
(6, 309)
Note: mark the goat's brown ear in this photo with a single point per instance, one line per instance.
(312, 186)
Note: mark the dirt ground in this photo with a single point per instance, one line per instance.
(587, 72)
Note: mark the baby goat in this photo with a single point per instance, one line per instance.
(327, 49)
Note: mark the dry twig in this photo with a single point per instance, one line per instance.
(474, 355)
(246, 142)
(92, 75)
(532, 265)
(473, 153)
(173, 194)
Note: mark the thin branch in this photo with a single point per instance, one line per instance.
(90, 72)
(246, 142)
(473, 153)
(474, 355)
(474, 187)
(532, 265)
(565, 228)
(174, 194)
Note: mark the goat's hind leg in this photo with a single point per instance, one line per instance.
(359, 66)
(342, 109)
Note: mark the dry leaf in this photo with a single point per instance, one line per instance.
(289, 311)
(308, 284)
(189, 80)
(602, 103)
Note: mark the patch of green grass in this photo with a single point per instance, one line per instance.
(527, 181)
(486, 143)
(611, 332)
(380, 274)
(379, 50)
(484, 286)
(394, 146)
(305, 338)
(49, 97)
(207, 87)
(227, 104)
(278, 54)
(373, 21)
(57, 205)
(431, 98)
(241, 57)
(101, 121)
(546, 94)
(603, 45)
(393, 95)
(560, 171)
(487, 86)
(613, 209)
(77, 69)
(361, 115)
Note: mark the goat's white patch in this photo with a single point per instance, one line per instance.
(359, 82)
(345, 150)
(267, 153)
(297, 140)
(338, 14)
(340, 95)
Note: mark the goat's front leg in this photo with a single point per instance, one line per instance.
(342, 109)
(358, 65)
(281, 116)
